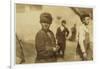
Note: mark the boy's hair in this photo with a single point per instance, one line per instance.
(63, 21)
(46, 18)
(83, 16)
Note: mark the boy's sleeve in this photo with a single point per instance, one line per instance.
(81, 39)
(39, 43)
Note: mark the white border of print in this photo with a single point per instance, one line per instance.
(64, 65)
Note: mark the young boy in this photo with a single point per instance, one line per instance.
(61, 34)
(84, 49)
(45, 41)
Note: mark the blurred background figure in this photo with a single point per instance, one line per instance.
(73, 31)
(61, 36)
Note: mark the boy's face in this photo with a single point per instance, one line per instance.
(86, 20)
(63, 24)
(45, 26)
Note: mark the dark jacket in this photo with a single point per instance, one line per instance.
(44, 45)
(19, 50)
(60, 35)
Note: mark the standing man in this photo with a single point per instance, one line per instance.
(45, 41)
(61, 36)
(84, 50)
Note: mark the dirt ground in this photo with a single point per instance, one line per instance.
(30, 52)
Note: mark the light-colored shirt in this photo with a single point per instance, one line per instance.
(82, 30)
(62, 28)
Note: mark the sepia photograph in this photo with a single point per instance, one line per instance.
(51, 34)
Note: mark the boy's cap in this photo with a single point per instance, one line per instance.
(46, 18)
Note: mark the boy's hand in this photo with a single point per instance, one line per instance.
(56, 48)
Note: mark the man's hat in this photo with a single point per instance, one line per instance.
(46, 18)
